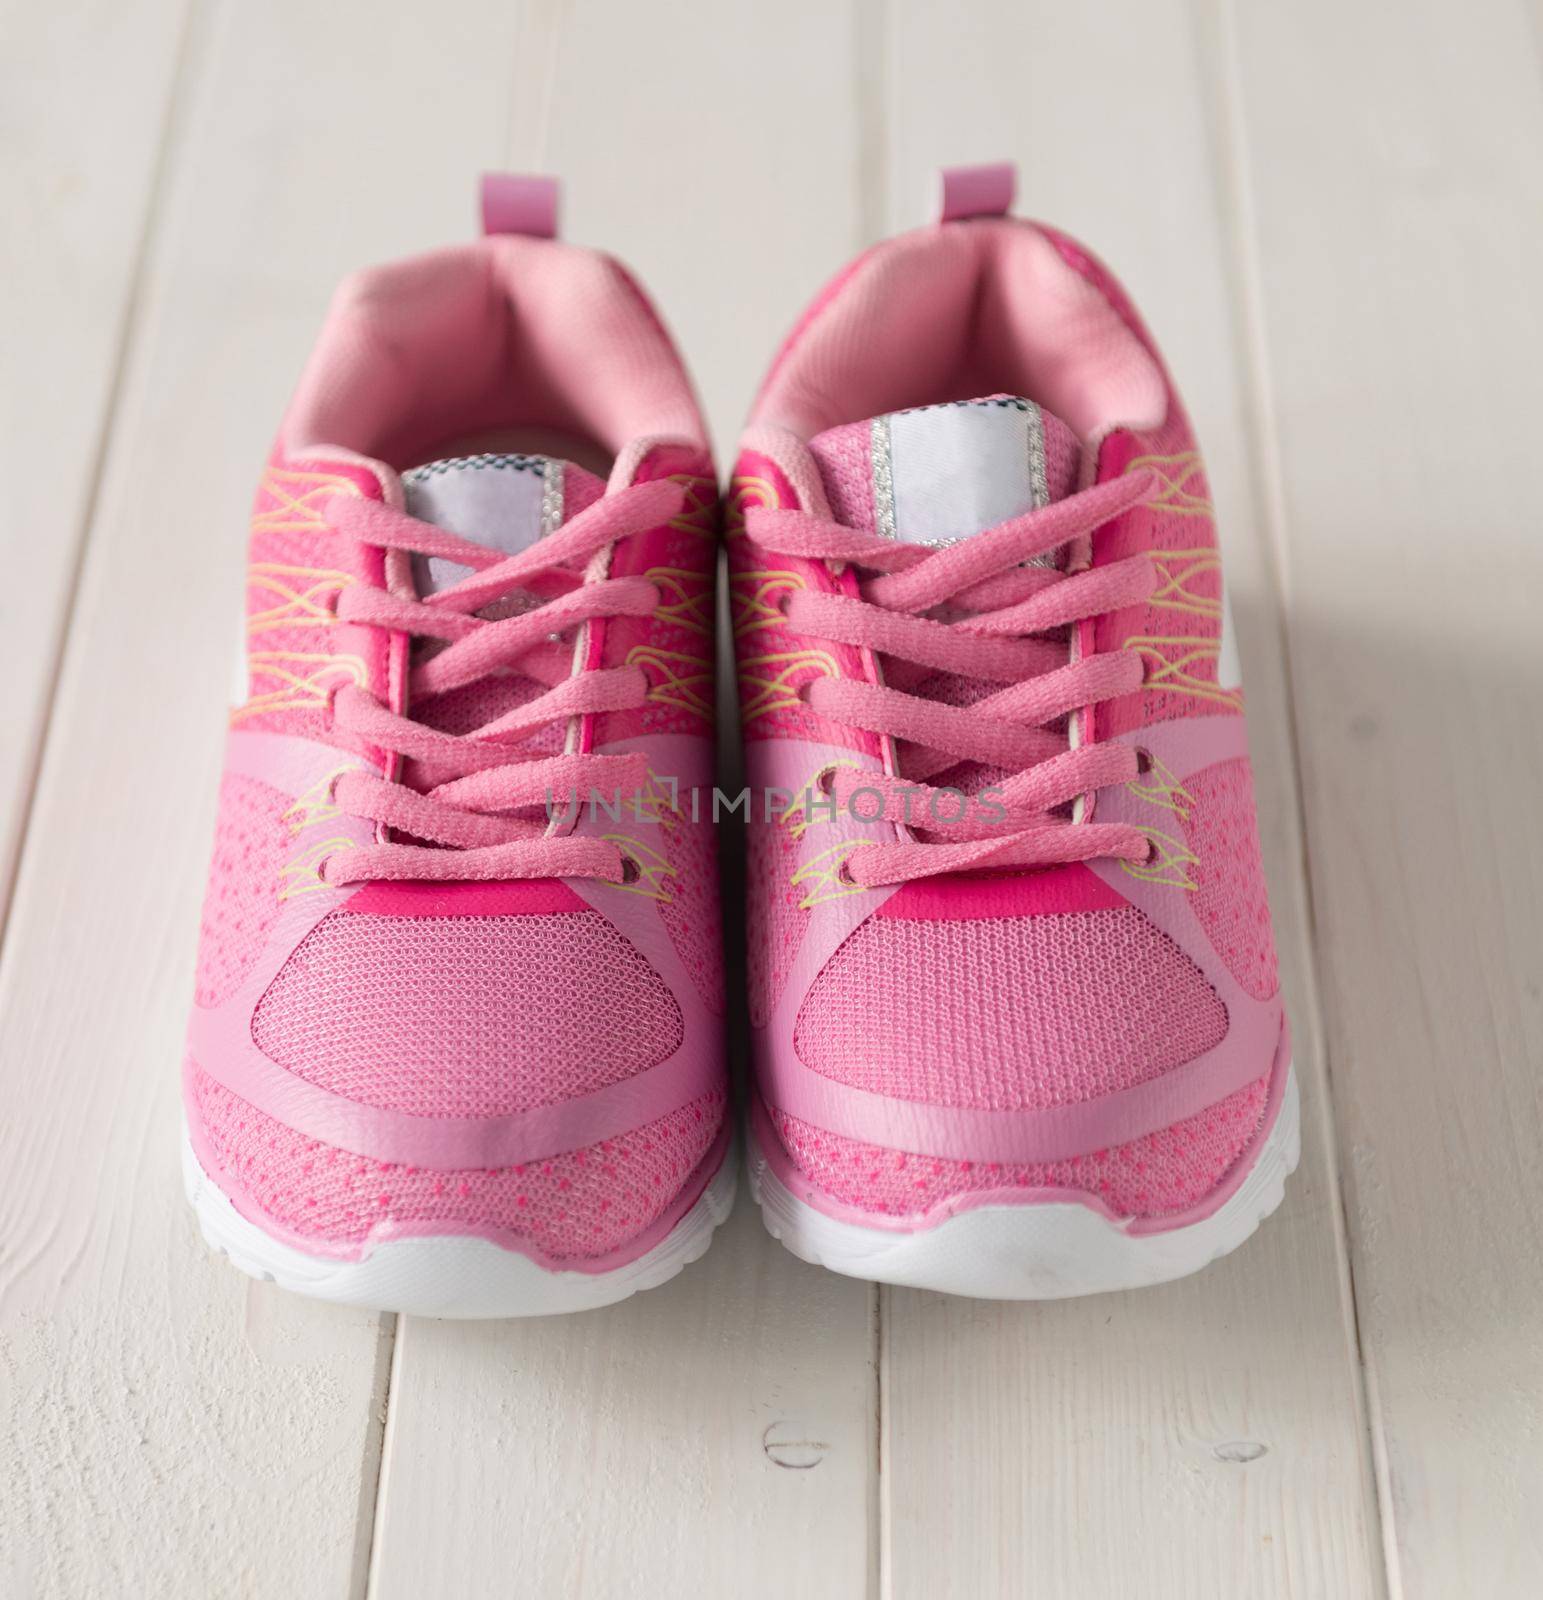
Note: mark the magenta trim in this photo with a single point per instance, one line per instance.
(523, 897)
(1053, 892)
(514, 202)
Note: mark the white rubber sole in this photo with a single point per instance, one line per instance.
(450, 1276)
(1033, 1252)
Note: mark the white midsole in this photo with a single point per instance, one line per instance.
(451, 1275)
(1033, 1251)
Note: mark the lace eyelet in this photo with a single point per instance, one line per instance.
(844, 876)
(321, 872)
(630, 871)
(784, 602)
(1153, 855)
(825, 781)
(1143, 761)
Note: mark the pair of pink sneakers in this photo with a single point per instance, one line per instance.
(457, 1047)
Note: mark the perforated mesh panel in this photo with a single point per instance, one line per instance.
(241, 902)
(774, 924)
(1231, 900)
(1007, 1012)
(691, 915)
(1152, 1176)
(584, 1203)
(466, 1016)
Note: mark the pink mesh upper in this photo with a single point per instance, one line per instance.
(241, 903)
(466, 1016)
(1063, 456)
(1007, 1012)
(584, 1203)
(1231, 900)
(690, 915)
(1152, 1176)
(845, 459)
(774, 924)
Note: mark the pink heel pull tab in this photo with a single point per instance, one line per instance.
(514, 202)
(985, 191)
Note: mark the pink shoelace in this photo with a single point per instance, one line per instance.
(478, 779)
(992, 608)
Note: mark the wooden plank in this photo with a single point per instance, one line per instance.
(85, 92)
(1398, 254)
(1203, 1438)
(171, 1428)
(715, 1436)
(710, 1437)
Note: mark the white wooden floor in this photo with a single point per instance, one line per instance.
(1331, 213)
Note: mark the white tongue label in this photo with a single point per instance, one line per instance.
(941, 473)
(506, 502)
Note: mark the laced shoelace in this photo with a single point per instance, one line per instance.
(995, 611)
(476, 780)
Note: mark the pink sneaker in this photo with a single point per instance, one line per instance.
(1012, 979)
(447, 1057)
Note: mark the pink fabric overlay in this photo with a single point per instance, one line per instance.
(515, 202)
(983, 191)
(998, 1014)
(571, 1207)
(1231, 900)
(466, 1017)
(251, 843)
(690, 913)
(1156, 1175)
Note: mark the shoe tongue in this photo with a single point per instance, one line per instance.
(505, 502)
(937, 474)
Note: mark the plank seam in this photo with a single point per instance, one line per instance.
(370, 1472)
(13, 851)
(1230, 159)
(373, 1490)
